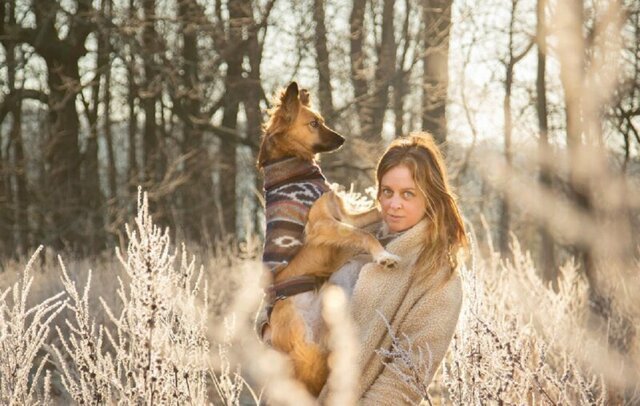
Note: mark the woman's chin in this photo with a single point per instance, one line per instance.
(395, 226)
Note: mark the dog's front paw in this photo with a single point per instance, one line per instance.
(387, 260)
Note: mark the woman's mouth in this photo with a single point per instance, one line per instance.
(394, 217)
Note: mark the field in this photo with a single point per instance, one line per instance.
(155, 324)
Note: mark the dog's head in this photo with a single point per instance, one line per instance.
(294, 129)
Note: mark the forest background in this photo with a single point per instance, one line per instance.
(535, 102)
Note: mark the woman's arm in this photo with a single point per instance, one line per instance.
(428, 327)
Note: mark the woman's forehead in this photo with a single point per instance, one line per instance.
(398, 176)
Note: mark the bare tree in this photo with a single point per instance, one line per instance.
(7, 212)
(357, 57)
(509, 62)
(149, 93)
(547, 257)
(6, 205)
(325, 93)
(188, 100)
(254, 93)
(626, 106)
(588, 64)
(105, 35)
(573, 65)
(383, 76)
(61, 54)
(93, 198)
(400, 85)
(372, 96)
(436, 15)
(133, 172)
(239, 11)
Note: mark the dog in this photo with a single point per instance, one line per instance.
(303, 248)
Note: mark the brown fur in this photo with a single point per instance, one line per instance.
(332, 234)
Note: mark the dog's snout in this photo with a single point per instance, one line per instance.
(329, 141)
(337, 140)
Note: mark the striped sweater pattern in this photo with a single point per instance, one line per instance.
(291, 186)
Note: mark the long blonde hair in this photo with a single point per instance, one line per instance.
(445, 234)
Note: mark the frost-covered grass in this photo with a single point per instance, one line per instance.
(156, 325)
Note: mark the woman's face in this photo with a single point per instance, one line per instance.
(403, 205)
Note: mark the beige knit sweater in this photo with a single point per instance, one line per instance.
(424, 310)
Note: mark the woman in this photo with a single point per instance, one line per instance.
(421, 298)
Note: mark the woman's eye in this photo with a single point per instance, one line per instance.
(314, 124)
(387, 192)
(408, 195)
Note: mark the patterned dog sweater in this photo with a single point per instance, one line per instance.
(291, 186)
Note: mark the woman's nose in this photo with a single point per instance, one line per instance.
(395, 203)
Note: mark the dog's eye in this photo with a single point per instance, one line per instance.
(314, 124)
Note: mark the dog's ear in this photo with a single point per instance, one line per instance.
(290, 102)
(291, 94)
(305, 98)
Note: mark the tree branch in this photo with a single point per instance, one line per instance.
(20, 94)
(633, 128)
(522, 54)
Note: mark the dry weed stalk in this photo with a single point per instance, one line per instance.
(411, 364)
(519, 341)
(88, 380)
(23, 333)
(342, 342)
(159, 350)
(229, 385)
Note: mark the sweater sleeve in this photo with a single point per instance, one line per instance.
(427, 329)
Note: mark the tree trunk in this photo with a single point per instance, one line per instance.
(512, 60)
(62, 155)
(325, 94)
(64, 187)
(572, 75)
(505, 206)
(112, 172)
(8, 215)
(22, 192)
(6, 206)
(586, 162)
(92, 199)
(547, 256)
(133, 173)
(197, 168)
(357, 59)
(253, 96)
(436, 15)
(372, 105)
(154, 159)
(385, 70)
(253, 92)
(238, 13)
(400, 81)
(106, 122)
(148, 97)
(399, 91)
